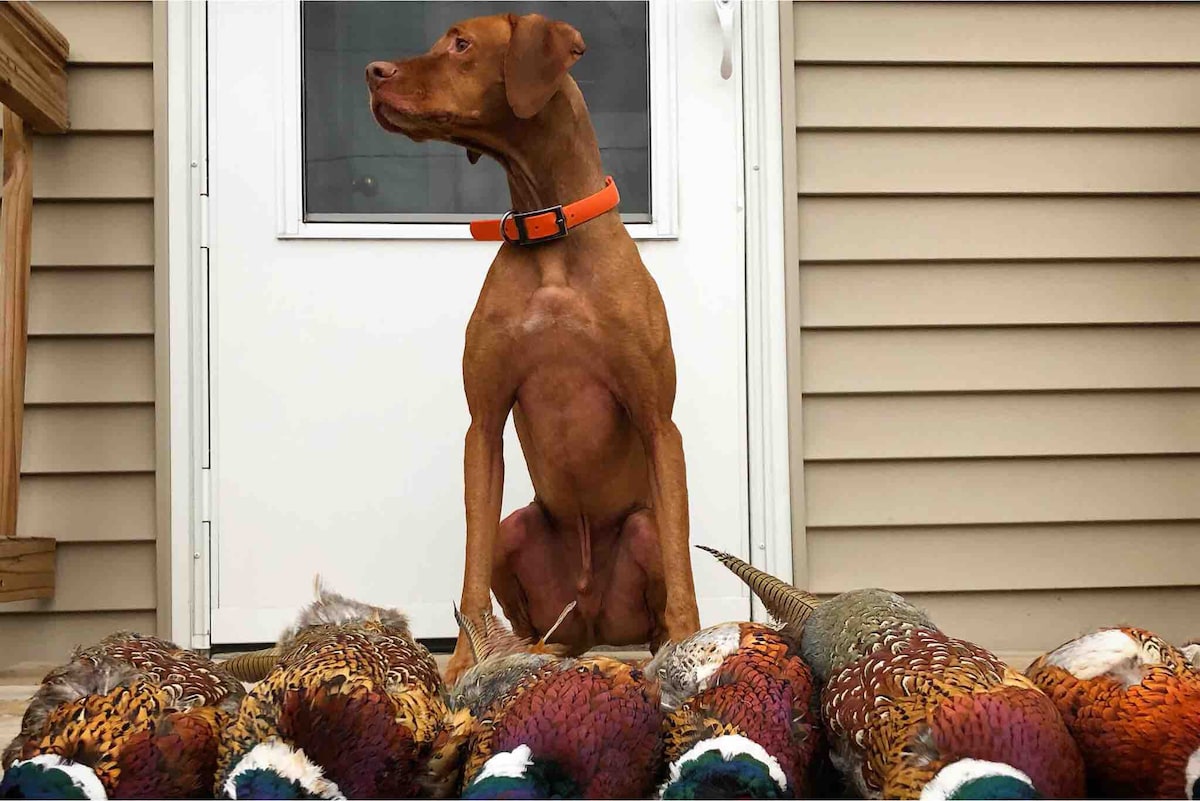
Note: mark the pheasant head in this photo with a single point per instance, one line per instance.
(276, 770)
(730, 766)
(50, 776)
(516, 774)
(978, 779)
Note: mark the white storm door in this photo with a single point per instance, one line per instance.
(341, 281)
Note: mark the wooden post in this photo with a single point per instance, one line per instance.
(33, 89)
(16, 216)
(27, 564)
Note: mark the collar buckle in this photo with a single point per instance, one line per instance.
(523, 238)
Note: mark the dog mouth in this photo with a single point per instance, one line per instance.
(403, 117)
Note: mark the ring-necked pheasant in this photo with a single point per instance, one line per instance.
(354, 708)
(1132, 701)
(740, 722)
(131, 717)
(534, 725)
(911, 712)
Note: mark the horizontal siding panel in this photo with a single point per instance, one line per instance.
(91, 302)
(90, 370)
(981, 359)
(996, 97)
(52, 637)
(978, 162)
(103, 33)
(1069, 557)
(110, 98)
(1007, 424)
(898, 228)
(108, 576)
(87, 508)
(1044, 619)
(957, 492)
(93, 234)
(926, 294)
(998, 32)
(88, 439)
(100, 166)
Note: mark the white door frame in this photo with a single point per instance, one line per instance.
(187, 276)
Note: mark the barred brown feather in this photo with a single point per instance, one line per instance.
(786, 603)
(254, 665)
(357, 694)
(139, 711)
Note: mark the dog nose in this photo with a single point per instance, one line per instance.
(380, 71)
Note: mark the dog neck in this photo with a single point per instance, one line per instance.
(552, 158)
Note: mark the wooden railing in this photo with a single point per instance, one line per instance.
(33, 90)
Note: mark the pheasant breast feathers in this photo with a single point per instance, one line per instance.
(1132, 701)
(141, 714)
(911, 712)
(352, 692)
(743, 679)
(530, 721)
(921, 700)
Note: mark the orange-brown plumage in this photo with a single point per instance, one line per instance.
(1132, 702)
(354, 706)
(910, 711)
(142, 714)
(743, 679)
(589, 726)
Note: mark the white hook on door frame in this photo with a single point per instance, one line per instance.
(725, 16)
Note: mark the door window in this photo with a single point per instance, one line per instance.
(355, 172)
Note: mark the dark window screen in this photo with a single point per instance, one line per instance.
(354, 171)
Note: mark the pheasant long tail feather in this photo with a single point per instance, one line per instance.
(786, 603)
(474, 635)
(488, 636)
(254, 665)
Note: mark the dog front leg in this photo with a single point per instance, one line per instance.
(483, 480)
(668, 487)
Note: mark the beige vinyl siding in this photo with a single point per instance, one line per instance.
(89, 441)
(997, 371)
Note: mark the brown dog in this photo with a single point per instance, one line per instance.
(570, 336)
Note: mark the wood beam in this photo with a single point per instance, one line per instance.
(33, 67)
(26, 568)
(16, 217)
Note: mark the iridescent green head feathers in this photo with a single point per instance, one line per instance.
(729, 766)
(50, 776)
(516, 774)
(978, 779)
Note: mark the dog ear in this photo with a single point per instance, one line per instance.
(539, 54)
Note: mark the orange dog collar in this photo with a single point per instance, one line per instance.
(546, 225)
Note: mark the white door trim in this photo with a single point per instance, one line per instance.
(766, 319)
(766, 323)
(187, 254)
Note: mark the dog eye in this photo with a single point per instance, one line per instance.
(460, 45)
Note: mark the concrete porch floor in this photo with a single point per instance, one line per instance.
(17, 684)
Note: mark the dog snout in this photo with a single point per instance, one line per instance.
(380, 71)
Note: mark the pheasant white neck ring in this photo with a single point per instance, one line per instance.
(729, 746)
(81, 776)
(289, 764)
(977, 778)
